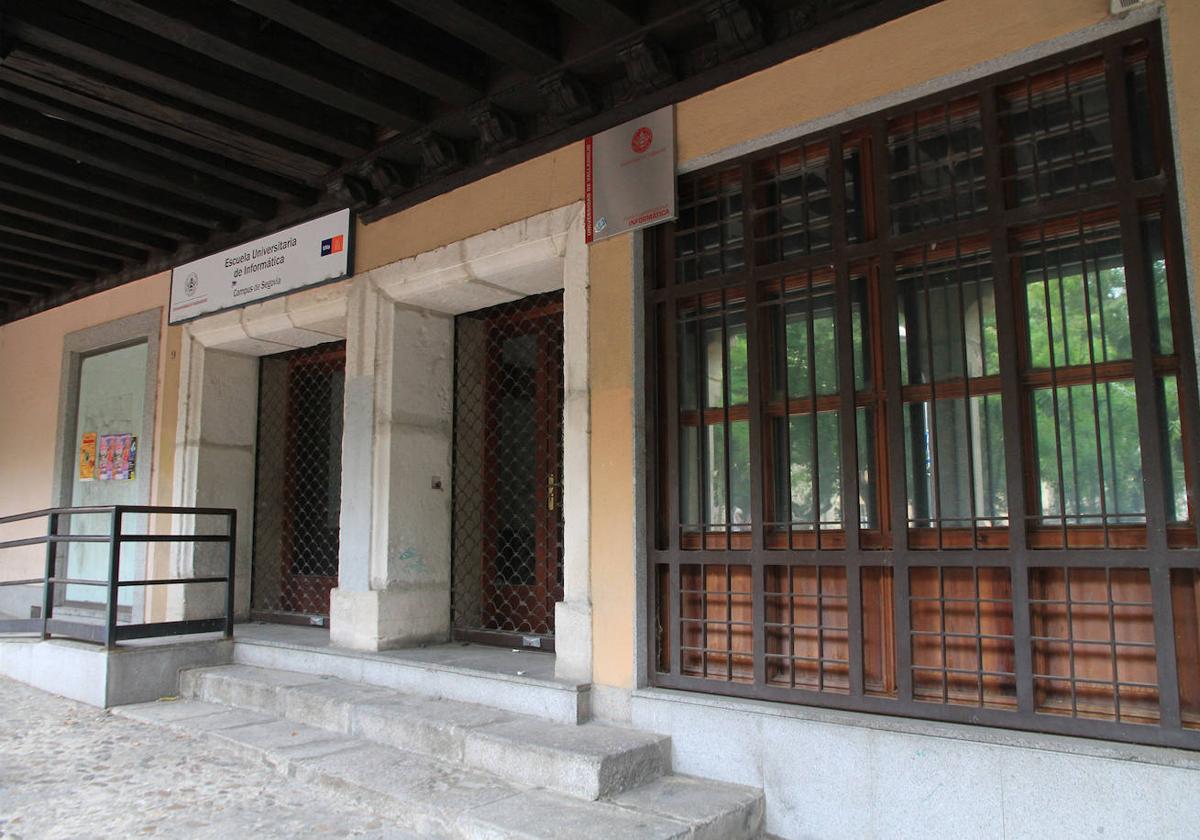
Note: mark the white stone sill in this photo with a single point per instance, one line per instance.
(995, 736)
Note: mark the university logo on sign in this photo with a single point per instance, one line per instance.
(333, 245)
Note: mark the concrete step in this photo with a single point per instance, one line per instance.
(519, 681)
(447, 800)
(589, 761)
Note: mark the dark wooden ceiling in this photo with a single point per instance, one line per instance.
(138, 135)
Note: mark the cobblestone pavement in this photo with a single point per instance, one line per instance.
(72, 771)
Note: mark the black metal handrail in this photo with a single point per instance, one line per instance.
(111, 632)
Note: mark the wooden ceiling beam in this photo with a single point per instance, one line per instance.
(484, 25)
(13, 287)
(333, 81)
(200, 87)
(413, 66)
(125, 103)
(43, 273)
(66, 196)
(107, 249)
(76, 219)
(613, 16)
(11, 302)
(32, 128)
(23, 176)
(49, 272)
(14, 88)
(40, 249)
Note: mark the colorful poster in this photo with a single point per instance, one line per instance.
(118, 457)
(87, 456)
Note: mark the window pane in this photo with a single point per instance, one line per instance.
(791, 194)
(815, 494)
(1058, 135)
(714, 363)
(860, 324)
(947, 314)
(705, 368)
(1088, 454)
(1156, 274)
(708, 233)
(961, 477)
(822, 339)
(739, 473)
(716, 468)
(688, 331)
(936, 169)
(868, 491)
(739, 389)
(714, 489)
(689, 469)
(1076, 299)
(1174, 474)
(1141, 125)
(852, 169)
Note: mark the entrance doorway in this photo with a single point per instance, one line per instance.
(298, 477)
(508, 523)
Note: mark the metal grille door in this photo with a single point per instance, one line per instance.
(507, 472)
(298, 483)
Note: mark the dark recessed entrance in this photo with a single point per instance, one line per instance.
(298, 483)
(507, 472)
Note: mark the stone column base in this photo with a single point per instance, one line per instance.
(573, 640)
(380, 619)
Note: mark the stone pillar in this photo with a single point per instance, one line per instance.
(573, 615)
(215, 468)
(394, 567)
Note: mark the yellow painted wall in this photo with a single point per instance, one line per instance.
(544, 183)
(610, 313)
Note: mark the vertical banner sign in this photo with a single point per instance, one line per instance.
(304, 255)
(629, 175)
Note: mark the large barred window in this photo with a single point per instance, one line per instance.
(924, 413)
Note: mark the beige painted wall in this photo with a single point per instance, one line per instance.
(544, 183)
(31, 353)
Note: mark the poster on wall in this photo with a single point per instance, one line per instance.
(629, 176)
(317, 251)
(118, 457)
(87, 456)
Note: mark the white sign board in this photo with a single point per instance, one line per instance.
(304, 255)
(629, 175)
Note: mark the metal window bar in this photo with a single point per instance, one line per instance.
(111, 631)
(1000, 220)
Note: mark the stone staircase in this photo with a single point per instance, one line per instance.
(452, 769)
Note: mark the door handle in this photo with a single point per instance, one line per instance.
(550, 489)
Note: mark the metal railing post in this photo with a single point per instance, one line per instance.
(229, 574)
(114, 571)
(48, 579)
